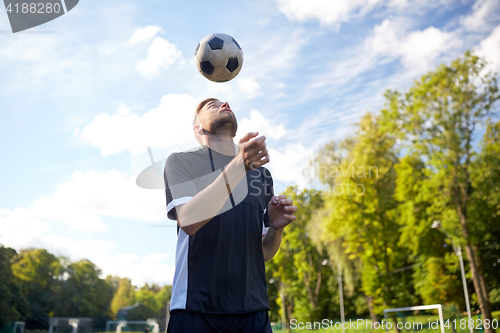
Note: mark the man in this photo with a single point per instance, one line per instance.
(229, 224)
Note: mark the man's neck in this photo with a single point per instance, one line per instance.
(221, 144)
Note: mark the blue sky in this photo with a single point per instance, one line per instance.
(82, 97)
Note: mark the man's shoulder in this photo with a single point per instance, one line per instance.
(187, 155)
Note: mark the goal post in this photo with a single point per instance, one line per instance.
(122, 323)
(19, 324)
(439, 307)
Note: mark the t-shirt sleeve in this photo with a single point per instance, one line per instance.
(268, 195)
(180, 185)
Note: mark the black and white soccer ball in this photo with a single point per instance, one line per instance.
(219, 57)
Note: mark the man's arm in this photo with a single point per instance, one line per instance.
(271, 243)
(207, 203)
(281, 212)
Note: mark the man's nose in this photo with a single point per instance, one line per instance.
(225, 104)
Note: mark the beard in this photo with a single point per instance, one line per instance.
(225, 125)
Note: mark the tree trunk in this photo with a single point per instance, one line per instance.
(481, 277)
(370, 309)
(476, 279)
(395, 320)
(476, 276)
(289, 315)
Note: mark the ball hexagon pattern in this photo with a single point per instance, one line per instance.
(218, 57)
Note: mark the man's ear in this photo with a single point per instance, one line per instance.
(198, 129)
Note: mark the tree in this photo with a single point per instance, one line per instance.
(327, 166)
(83, 292)
(124, 295)
(485, 208)
(363, 214)
(437, 275)
(13, 304)
(37, 272)
(299, 267)
(436, 119)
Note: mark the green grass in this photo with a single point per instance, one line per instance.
(424, 319)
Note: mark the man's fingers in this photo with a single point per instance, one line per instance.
(265, 160)
(286, 202)
(277, 199)
(248, 136)
(254, 151)
(262, 154)
(257, 143)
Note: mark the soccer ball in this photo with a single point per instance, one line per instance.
(218, 57)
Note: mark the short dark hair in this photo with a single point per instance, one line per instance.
(203, 103)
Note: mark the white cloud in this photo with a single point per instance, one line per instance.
(271, 58)
(490, 49)
(144, 35)
(336, 12)
(327, 12)
(161, 55)
(19, 227)
(81, 203)
(482, 12)
(150, 268)
(418, 49)
(78, 249)
(287, 165)
(258, 123)
(249, 86)
(417, 6)
(168, 125)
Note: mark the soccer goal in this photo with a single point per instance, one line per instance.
(416, 325)
(18, 327)
(119, 326)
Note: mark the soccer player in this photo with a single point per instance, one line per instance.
(229, 224)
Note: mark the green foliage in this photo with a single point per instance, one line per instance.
(124, 295)
(435, 121)
(442, 177)
(438, 280)
(299, 266)
(362, 212)
(13, 304)
(36, 285)
(154, 297)
(84, 292)
(485, 207)
(141, 312)
(37, 272)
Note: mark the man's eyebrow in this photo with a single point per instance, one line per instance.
(211, 103)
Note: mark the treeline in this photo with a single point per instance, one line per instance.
(418, 162)
(36, 285)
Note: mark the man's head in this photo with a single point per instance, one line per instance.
(213, 117)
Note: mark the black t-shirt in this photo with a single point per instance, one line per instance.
(220, 269)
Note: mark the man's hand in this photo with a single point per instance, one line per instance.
(281, 212)
(254, 153)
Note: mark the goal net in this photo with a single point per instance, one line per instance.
(422, 319)
(435, 318)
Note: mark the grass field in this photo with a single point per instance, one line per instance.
(424, 319)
